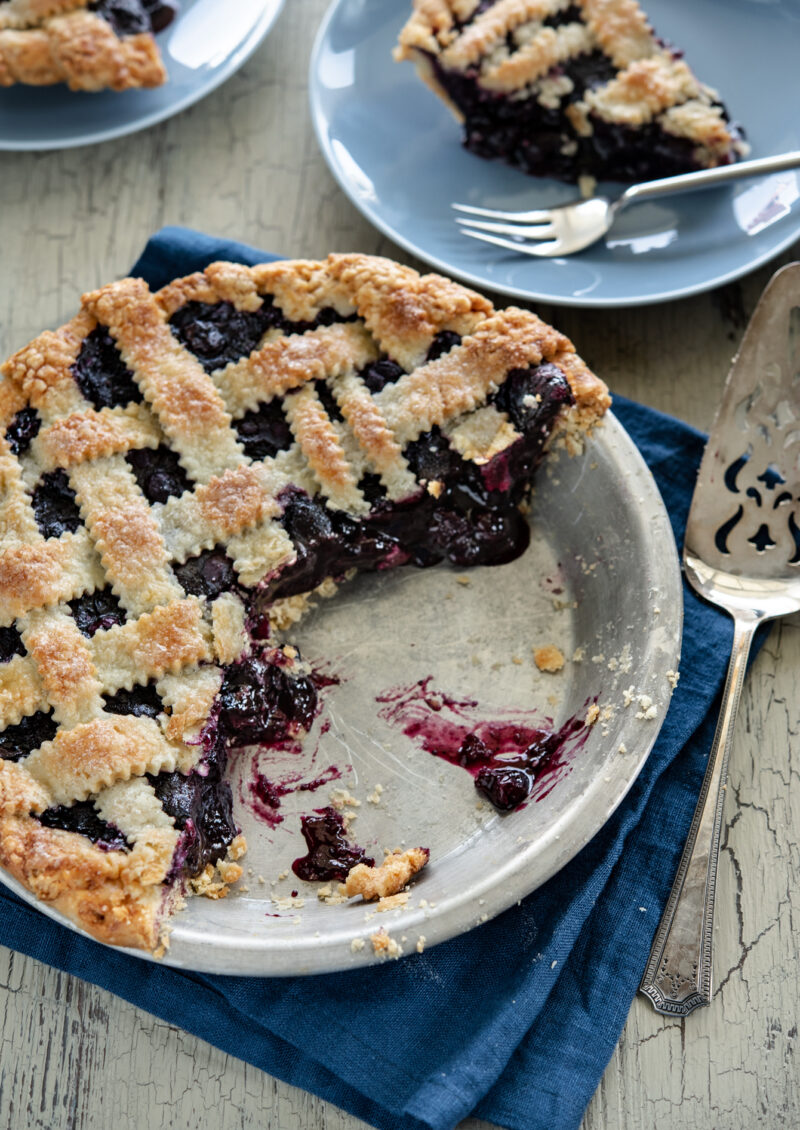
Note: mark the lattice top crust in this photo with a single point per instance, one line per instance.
(43, 42)
(519, 47)
(110, 489)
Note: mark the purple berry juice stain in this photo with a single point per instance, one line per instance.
(512, 760)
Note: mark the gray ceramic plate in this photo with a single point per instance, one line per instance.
(601, 575)
(203, 48)
(395, 150)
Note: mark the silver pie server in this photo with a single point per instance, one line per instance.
(741, 552)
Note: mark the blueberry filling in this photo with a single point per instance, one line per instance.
(541, 140)
(102, 375)
(158, 473)
(261, 701)
(142, 702)
(265, 432)
(330, 854)
(208, 574)
(10, 644)
(219, 335)
(54, 505)
(328, 400)
(202, 808)
(97, 610)
(23, 429)
(82, 818)
(444, 341)
(378, 374)
(135, 17)
(20, 740)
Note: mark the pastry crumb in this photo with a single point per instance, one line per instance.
(375, 796)
(387, 879)
(579, 655)
(341, 797)
(672, 678)
(392, 902)
(592, 714)
(289, 902)
(548, 658)
(384, 945)
(357, 945)
(420, 946)
(463, 580)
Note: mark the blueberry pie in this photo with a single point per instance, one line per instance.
(179, 471)
(90, 45)
(569, 88)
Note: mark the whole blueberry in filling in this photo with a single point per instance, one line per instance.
(10, 644)
(265, 431)
(83, 818)
(54, 505)
(141, 701)
(208, 574)
(378, 374)
(135, 17)
(219, 335)
(158, 473)
(506, 788)
(96, 610)
(23, 429)
(444, 341)
(20, 740)
(102, 375)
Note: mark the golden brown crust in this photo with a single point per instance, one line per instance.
(180, 643)
(82, 50)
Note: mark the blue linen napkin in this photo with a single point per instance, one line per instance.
(515, 1021)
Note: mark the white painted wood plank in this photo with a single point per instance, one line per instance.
(244, 164)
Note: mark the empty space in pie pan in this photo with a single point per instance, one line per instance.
(601, 582)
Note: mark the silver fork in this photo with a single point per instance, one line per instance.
(570, 227)
(742, 552)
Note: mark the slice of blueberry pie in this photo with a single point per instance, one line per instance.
(90, 45)
(569, 88)
(178, 472)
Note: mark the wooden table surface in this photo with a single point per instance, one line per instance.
(245, 164)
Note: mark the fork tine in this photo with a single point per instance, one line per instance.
(543, 250)
(541, 231)
(543, 216)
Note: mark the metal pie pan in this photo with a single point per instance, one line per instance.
(601, 577)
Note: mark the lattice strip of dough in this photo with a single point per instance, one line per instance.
(481, 435)
(17, 520)
(228, 627)
(286, 363)
(125, 532)
(133, 807)
(403, 310)
(373, 435)
(321, 444)
(183, 397)
(546, 50)
(167, 639)
(95, 755)
(222, 509)
(189, 697)
(64, 661)
(84, 436)
(28, 13)
(21, 690)
(47, 572)
(261, 551)
(621, 29)
(460, 380)
(491, 28)
(643, 90)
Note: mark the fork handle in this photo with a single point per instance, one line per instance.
(677, 978)
(708, 178)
